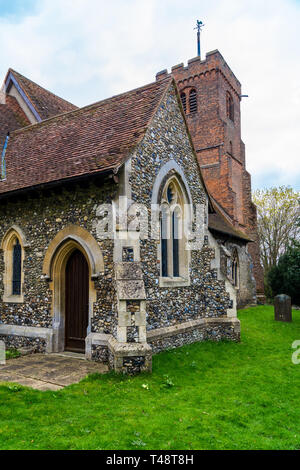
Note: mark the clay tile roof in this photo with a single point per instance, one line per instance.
(87, 141)
(11, 118)
(8, 122)
(219, 223)
(46, 103)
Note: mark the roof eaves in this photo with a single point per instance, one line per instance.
(232, 234)
(232, 231)
(56, 183)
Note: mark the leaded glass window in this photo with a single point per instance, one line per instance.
(172, 210)
(17, 268)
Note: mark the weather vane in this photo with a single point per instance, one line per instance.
(199, 27)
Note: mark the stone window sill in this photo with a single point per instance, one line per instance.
(173, 282)
(13, 299)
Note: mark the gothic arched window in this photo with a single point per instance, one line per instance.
(193, 101)
(17, 268)
(13, 278)
(172, 236)
(229, 106)
(235, 269)
(183, 100)
(165, 236)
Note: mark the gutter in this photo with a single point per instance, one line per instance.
(55, 184)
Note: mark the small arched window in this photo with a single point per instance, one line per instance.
(183, 100)
(193, 101)
(17, 268)
(229, 106)
(13, 277)
(235, 269)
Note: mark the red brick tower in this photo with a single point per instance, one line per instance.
(211, 96)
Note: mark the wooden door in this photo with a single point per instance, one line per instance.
(77, 302)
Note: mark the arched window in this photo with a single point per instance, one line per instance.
(13, 249)
(165, 237)
(235, 269)
(183, 100)
(172, 236)
(17, 268)
(193, 101)
(176, 221)
(229, 106)
(171, 194)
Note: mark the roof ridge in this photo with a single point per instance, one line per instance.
(91, 106)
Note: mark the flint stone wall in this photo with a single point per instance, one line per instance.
(246, 293)
(193, 332)
(167, 140)
(40, 220)
(36, 345)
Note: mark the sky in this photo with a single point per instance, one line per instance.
(88, 50)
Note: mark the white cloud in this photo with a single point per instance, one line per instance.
(86, 50)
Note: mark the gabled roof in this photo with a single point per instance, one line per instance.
(87, 141)
(218, 222)
(44, 103)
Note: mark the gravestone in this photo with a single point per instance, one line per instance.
(283, 308)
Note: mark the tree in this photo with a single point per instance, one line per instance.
(285, 277)
(278, 217)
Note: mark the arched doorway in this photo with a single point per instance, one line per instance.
(76, 302)
(60, 263)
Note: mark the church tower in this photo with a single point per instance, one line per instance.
(211, 95)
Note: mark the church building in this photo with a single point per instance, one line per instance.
(126, 226)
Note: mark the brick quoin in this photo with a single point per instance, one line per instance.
(217, 140)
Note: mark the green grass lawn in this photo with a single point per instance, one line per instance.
(203, 396)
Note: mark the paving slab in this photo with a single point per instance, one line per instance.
(49, 372)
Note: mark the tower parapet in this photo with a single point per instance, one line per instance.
(196, 67)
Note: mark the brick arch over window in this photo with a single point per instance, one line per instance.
(13, 246)
(189, 100)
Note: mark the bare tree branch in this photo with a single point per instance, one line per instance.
(278, 213)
